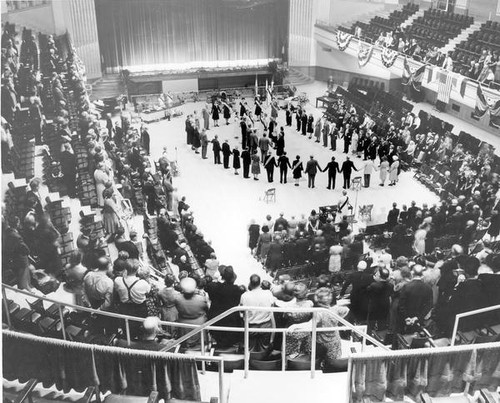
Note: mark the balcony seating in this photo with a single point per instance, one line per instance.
(378, 25)
(469, 51)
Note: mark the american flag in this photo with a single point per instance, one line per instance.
(444, 86)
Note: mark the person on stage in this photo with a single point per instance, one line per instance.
(284, 164)
(347, 168)
(332, 167)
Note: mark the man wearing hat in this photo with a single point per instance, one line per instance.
(224, 296)
(360, 281)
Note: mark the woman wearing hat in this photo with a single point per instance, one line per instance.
(295, 341)
(224, 296)
(328, 343)
(393, 171)
(192, 309)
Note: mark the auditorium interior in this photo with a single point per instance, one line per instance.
(215, 200)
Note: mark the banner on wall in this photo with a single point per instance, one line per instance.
(388, 56)
(364, 54)
(343, 39)
(413, 77)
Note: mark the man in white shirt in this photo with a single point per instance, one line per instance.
(132, 291)
(257, 297)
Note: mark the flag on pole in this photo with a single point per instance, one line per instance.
(256, 87)
(481, 103)
(444, 87)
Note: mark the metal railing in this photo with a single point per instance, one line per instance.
(333, 30)
(209, 325)
(466, 314)
(60, 305)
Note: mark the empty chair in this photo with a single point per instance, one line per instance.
(270, 195)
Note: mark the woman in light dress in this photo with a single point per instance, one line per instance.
(383, 169)
(393, 171)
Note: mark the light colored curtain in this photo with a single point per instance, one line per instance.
(156, 32)
(438, 372)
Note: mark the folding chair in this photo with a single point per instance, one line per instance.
(365, 212)
(270, 195)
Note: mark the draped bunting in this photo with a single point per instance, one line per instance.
(413, 77)
(438, 372)
(71, 365)
(484, 106)
(388, 56)
(157, 32)
(364, 54)
(343, 39)
(481, 103)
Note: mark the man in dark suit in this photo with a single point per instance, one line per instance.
(284, 164)
(347, 140)
(415, 300)
(246, 160)
(303, 121)
(360, 281)
(392, 217)
(333, 168)
(269, 164)
(326, 132)
(226, 153)
(145, 139)
(347, 168)
(243, 109)
(312, 167)
(244, 137)
(216, 149)
(379, 304)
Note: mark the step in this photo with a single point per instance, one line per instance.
(278, 387)
(462, 36)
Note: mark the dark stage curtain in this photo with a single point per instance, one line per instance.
(145, 32)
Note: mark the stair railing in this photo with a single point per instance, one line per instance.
(467, 314)
(209, 325)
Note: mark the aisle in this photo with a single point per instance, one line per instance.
(224, 203)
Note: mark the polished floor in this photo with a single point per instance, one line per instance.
(224, 203)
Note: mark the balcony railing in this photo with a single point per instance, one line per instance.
(209, 325)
